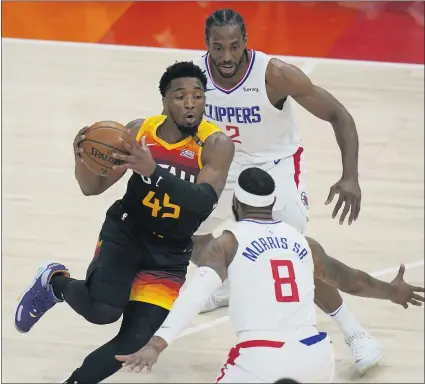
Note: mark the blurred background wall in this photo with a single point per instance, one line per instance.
(378, 31)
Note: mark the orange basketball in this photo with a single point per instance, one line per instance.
(100, 143)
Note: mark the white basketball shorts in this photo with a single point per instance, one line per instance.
(291, 204)
(310, 360)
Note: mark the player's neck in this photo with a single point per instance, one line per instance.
(170, 133)
(226, 82)
(257, 215)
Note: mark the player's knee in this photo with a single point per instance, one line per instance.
(102, 314)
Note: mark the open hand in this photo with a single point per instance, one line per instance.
(146, 357)
(140, 159)
(350, 194)
(405, 293)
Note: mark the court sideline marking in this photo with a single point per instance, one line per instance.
(197, 52)
(223, 319)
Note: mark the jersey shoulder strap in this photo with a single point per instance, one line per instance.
(205, 130)
(149, 124)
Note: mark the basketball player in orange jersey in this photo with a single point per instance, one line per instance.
(180, 164)
(249, 96)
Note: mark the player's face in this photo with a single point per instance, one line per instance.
(226, 46)
(184, 103)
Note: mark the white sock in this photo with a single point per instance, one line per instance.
(223, 291)
(345, 320)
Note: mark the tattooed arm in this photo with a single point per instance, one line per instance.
(360, 283)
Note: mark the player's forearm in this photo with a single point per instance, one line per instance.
(348, 142)
(189, 303)
(364, 285)
(355, 282)
(90, 183)
(199, 198)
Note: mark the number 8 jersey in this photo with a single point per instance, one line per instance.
(271, 281)
(261, 132)
(155, 211)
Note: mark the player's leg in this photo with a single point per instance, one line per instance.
(140, 322)
(292, 207)
(365, 349)
(309, 360)
(235, 369)
(100, 298)
(153, 291)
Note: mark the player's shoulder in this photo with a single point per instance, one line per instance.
(219, 142)
(144, 124)
(200, 60)
(292, 233)
(278, 70)
(208, 131)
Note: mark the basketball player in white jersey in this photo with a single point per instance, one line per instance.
(270, 267)
(249, 96)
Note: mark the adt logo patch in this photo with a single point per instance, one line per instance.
(304, 199)
(187, 153)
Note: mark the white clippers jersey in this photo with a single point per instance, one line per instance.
(271, 279)
(261, 132)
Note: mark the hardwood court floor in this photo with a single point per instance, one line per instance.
(50, 90)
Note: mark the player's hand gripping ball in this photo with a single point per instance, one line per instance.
(96, 145)
(139, 160)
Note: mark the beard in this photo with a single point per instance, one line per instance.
(187, 129)
(236, 64)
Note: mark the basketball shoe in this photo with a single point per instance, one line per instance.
(38, 298)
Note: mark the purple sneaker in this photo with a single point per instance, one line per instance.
(38, 298)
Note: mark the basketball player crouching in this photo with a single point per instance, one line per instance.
(180, 164)
(270, 269)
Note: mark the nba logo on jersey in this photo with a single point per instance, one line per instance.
(187, 153)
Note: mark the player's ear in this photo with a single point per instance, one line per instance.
(164, 106)
(245, 39)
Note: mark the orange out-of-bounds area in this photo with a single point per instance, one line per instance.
(378, 30)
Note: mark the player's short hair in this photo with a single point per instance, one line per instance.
(177, 71)
(256, 181)
(284, 381)
(224, 17)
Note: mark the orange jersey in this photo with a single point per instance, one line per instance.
(183, 159)
(155, 211)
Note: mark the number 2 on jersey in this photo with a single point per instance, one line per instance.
(235, 130)
(279, 281)
(152, 202)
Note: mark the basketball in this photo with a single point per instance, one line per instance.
(100, 143)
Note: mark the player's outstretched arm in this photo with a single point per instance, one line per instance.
(207, 278)
(287, 80)
(90, 183)
(360, 283)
